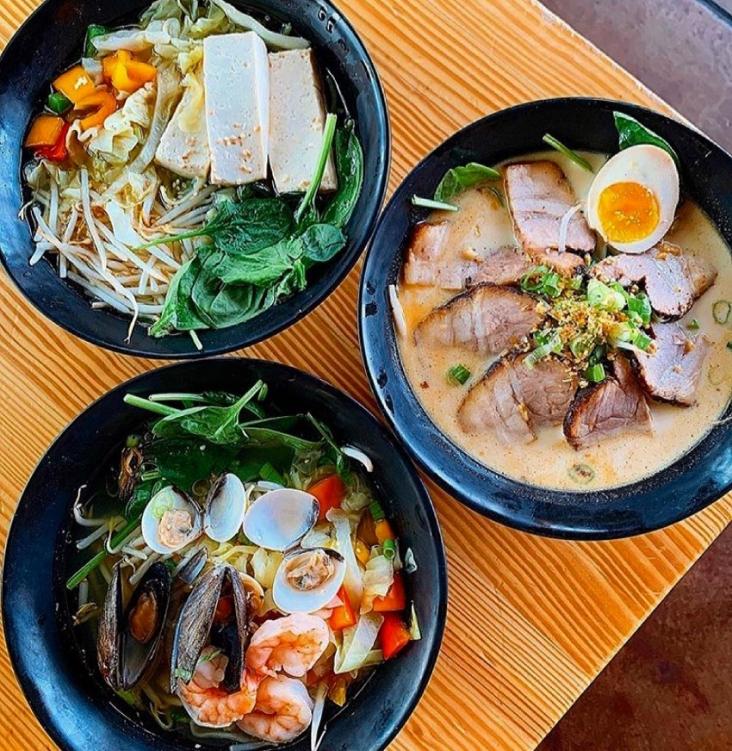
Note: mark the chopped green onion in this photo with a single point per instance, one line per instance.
(597, 354)
(92, 32)
(640, 305)
(133, 441)
(153, 474)
(580, 346)
(554, 344)
(58, 103)
(389, 549)
(458, 375)
(271, 474)
(377, 513)
(595, 373)
(573, 156)
(641, 340)
(602, 296)
(693, 324)
(581, 473)
(543, 281)
(721, 311)
(428, 203)
(76, 579)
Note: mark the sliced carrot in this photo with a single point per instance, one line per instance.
(330, 492)
(393, 636)
(125, 73)
(395, 599)
(343, 616)
(101, 105)
(45, 131)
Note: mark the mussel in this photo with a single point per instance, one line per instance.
(308, 580)
(280, 518)
(216, 614)
(129, 637)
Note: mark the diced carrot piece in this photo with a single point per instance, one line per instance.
(393, 636)
(75, 84)
(45, 131)
(330, 492)
(395, 599)
(342, 616)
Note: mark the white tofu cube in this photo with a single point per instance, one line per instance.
(236, 80)
(184, 148)
(296, 120)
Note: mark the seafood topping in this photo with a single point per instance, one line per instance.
(176, 526)
(307, 581)
(280, 518)
(143, 618)
(225, 507)
(170, 521)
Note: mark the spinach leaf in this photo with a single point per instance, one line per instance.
(178, 311)
(185, 461)
(142, 493)
(631, 133)
(236, 304)
(219, 425)
(321, 242)
(247, 466)
(458, 179)
(306, 212)
(349, 166)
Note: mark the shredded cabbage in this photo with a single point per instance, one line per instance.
(377, 579)
(357, 644)
(192, 107)
(318, 537)
(132, 40)
(270, 38)
(122, 225)
(118, 137)
(352, 581)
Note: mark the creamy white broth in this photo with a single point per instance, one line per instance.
(547, 461)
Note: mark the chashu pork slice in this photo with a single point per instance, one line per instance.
(432, 260)
(485, 319)
(671, 372)
(673, 279)
(617, 405)
(513, 399)
(539, 196)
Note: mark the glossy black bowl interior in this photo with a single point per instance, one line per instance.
(692, 482)
(71, 702)
(50, 41)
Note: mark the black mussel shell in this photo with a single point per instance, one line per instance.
(108, 636)
(194, 629)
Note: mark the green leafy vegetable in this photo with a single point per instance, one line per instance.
(428, 203)
(573, 156)
(58, 103)
(595, 373)
(458, 375)
(458, 179)
(633, 133)
(92, 32)
(307, 205)
(349, 167)
(542, 280)
(552, 345)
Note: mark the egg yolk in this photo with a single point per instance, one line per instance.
(628, 212)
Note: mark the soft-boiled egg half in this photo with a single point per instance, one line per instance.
(632, 200)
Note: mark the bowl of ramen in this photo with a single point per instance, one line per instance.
(194, 176)
(546, 317)
(247, 563)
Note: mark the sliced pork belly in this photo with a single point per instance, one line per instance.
(617, 405)
(672, 371)
(485, 319)
(539, 195)
(673, 280)
(431, 261)
(513, 399)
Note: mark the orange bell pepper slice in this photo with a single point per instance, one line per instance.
(125, 73)
(395, 599)
(343, 616)
(102, 103)
(45, 131)
(75, 84)
(330, 492)
(58, 152)
(393, 636)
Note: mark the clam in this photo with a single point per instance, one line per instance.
(225, 507)
(129, 638)
(280, 518)
(308, 580)
(170, 521)
(200, 626)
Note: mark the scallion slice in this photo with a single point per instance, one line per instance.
(595, 373)
(554, 344)
(693, 324)
(389, 549)
(58, 103)
(377, 513)
(428, 203)
(93, 31)
(573, 156)
(458, 375)
(721, 311)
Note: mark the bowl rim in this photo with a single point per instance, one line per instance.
(345, 261)
(47, 717)
(429, 447)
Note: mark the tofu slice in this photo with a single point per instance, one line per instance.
(296, 120)
(183, 148)
(236, 80)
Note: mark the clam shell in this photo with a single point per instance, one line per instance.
(168, 499)
(280, 518)
(225, 507)
(291, 599)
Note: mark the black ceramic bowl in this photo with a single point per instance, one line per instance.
(50, 40)
(692, 482)
(72, 702)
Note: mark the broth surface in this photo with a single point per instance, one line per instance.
(547, 462)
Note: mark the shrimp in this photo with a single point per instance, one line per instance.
(210, 705)
(292, 644)
(283, 711)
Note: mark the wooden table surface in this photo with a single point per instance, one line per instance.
(531, 621)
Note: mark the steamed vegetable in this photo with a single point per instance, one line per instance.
(393, 636)
(573, 156)
(45, 131)
(74, 84)
(631, 133)
(458, 179)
